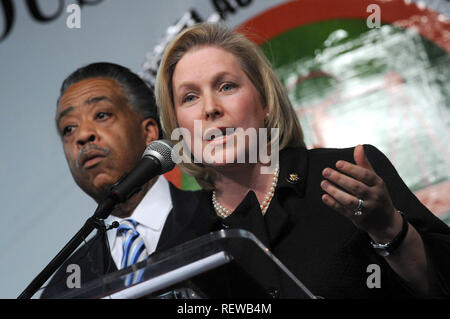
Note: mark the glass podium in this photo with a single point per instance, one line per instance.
(227, 264)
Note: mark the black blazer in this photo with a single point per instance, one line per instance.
(95, 260)
(318, 245)
(321, 247)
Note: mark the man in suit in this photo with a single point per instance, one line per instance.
(106, 116)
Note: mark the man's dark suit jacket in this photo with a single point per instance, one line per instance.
(95, 260)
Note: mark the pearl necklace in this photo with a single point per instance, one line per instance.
(225, 212)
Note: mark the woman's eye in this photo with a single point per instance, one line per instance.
(189, 98)
(228, 87)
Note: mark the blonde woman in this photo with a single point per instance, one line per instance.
(327, 214)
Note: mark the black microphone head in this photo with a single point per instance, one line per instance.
(161, 150)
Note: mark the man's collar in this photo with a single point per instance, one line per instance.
(151, 211)
(155, 206)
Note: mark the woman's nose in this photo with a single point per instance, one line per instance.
(212, 108)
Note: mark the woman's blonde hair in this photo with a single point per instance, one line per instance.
(257, 68)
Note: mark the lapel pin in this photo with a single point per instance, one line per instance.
(293, 178)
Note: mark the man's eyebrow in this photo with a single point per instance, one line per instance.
(62, 114)
(96, 99)
(89, 101)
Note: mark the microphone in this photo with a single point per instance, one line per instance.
(156, 160)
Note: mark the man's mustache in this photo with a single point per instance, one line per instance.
(88, 148)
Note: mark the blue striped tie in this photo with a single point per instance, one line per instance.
(134, 249)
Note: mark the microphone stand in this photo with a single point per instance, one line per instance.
(155, 154)
(95, 221)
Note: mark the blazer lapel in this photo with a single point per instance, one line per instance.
(176, 229)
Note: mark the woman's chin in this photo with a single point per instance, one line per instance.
(223, 161)
(218, 161)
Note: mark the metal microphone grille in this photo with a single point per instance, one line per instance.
(162, 150)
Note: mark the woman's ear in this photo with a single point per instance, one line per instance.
(266, 115)
(150, 130)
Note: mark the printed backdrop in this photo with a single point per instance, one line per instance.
(352, 83)
(350, 80)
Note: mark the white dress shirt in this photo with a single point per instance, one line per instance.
(150, 215)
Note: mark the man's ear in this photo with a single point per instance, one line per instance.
(150, 130)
